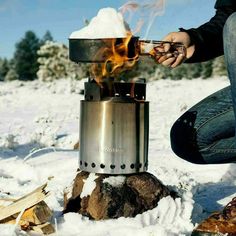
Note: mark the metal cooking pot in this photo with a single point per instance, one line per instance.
(99, 50)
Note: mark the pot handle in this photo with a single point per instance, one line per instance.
(156, 48)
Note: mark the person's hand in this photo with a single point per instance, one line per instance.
(173, 60)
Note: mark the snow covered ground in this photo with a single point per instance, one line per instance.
(36, 115)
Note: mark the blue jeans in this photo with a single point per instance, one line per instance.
(205, 134)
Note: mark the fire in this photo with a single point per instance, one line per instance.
(117, 54)
(117, 59)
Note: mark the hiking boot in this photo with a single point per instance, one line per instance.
(219, 223)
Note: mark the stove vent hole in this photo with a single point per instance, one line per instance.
(85, 164)
(102, 166)
(132, 166)
(112, 167)
(122, 166)
(93, 165)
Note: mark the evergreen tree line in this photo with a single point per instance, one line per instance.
(47, 60)
(24, 64)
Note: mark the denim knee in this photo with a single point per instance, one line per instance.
(183, 139)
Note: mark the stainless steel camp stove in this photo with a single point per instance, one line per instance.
(114, 116)
(114, 127)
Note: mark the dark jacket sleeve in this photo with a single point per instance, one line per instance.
(208, 38)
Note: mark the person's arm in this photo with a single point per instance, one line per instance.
(202, 43)
(208, 38)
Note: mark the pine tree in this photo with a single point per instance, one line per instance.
(55, 64)
(47, 37)
(179, 72)
(206, 69)
(1, 77)
(161, 72)
(219, 68)
(4, 68)
(193, 70)
(26, 64)
(11, 75)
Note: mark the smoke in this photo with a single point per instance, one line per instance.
(146, 11)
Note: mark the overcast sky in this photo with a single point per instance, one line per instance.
(62, 17)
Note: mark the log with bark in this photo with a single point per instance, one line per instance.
(114, 196)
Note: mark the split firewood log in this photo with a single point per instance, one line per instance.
(24, 203)
(36, 212)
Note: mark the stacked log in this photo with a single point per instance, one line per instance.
(29, 212)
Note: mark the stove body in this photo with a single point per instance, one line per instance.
(114, 128)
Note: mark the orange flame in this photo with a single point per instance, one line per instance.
(117, 59)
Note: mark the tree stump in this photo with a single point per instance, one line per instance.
(102, 196)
